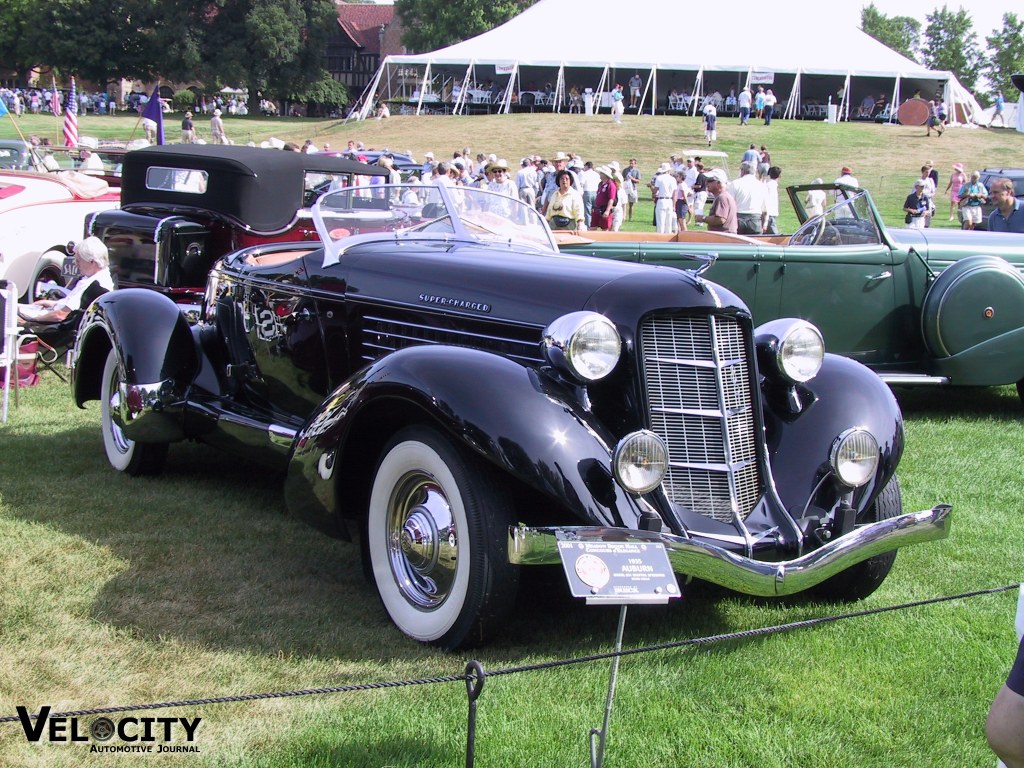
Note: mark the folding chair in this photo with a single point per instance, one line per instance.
(56, 339)
(13, 338)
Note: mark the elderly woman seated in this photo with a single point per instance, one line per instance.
(93, 263)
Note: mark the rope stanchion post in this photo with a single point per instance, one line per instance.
(475, 677)
(599, 736)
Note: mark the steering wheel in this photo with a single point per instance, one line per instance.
(827, 235)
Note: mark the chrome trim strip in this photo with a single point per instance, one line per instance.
(538, 546)
(911, 379)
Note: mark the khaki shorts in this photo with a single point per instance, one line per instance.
(971, 213)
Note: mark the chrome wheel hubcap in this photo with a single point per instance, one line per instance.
(422, 540)
(121, 443)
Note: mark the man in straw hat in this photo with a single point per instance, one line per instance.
(188, 129)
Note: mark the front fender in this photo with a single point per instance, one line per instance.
(516, 417)
(989, 363)
(150, 334)
(844, 394)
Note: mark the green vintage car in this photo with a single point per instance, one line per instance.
(919, 306)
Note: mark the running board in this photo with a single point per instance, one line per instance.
(912, 379)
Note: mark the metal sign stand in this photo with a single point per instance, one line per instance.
(598, 736)
(616, 573)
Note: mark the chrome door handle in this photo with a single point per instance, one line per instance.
(880, 276)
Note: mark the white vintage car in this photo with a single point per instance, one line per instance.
(39, 215)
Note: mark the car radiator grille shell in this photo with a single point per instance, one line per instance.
(700, 397)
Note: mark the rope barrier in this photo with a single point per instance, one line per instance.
(474, 677)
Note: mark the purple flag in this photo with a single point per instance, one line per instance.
(154, 111)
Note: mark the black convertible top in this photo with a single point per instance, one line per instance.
(260, 188)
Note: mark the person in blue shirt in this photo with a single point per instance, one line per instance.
(998, 110)
(1008, 214)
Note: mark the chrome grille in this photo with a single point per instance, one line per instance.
(697, 379)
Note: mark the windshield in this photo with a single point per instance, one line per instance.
(426, 210)
(848, 222)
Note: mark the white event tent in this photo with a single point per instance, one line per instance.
(694, 48)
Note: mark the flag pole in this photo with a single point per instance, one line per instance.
(8, 112)
(55, 108)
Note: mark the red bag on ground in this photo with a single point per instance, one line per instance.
(27, 376)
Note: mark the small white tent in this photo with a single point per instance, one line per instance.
(694, 47)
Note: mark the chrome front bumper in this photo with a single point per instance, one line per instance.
(538, 546)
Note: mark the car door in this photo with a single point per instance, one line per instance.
(286, 371)
(839, 274)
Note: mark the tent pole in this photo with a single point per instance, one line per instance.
(559, 88)
(844, 106)
(600, 91)
(895, 99)
(372, 89)
(793, 103)
(513, 82)
(652, 88)
(463, 91)
(423, 88)
(698, 90)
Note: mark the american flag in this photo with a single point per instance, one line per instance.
(71, 118)
(55, 99)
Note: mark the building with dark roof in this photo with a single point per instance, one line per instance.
(365, 34)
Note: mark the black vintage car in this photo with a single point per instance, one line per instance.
(185, 206)
(460, 397)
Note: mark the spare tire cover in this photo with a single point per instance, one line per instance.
(973, 300)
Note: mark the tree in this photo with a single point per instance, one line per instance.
(432, 24)
(16, 51)
(901, 33)
(274, 47)
(951, 44)
(78, 37)
(1007, 46)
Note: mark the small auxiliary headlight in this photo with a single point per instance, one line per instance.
(641, 461)
(854, 457)
(585, 345)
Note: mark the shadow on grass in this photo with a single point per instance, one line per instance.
(968, 403)
(206, 554)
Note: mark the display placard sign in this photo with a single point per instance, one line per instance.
(618, 572)
(762, 78)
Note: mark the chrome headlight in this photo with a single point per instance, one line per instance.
(854, 457)
(583, 344)
(641, 461)
(793, 349)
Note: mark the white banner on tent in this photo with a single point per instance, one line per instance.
(762, 78)
(504, 69)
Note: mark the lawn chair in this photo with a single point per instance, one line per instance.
(55, 340)
(17, 346)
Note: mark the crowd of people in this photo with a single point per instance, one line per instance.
(967, 195)
(38, 101)
(577, 194)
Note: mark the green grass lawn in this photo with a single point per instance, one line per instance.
(195, 584)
